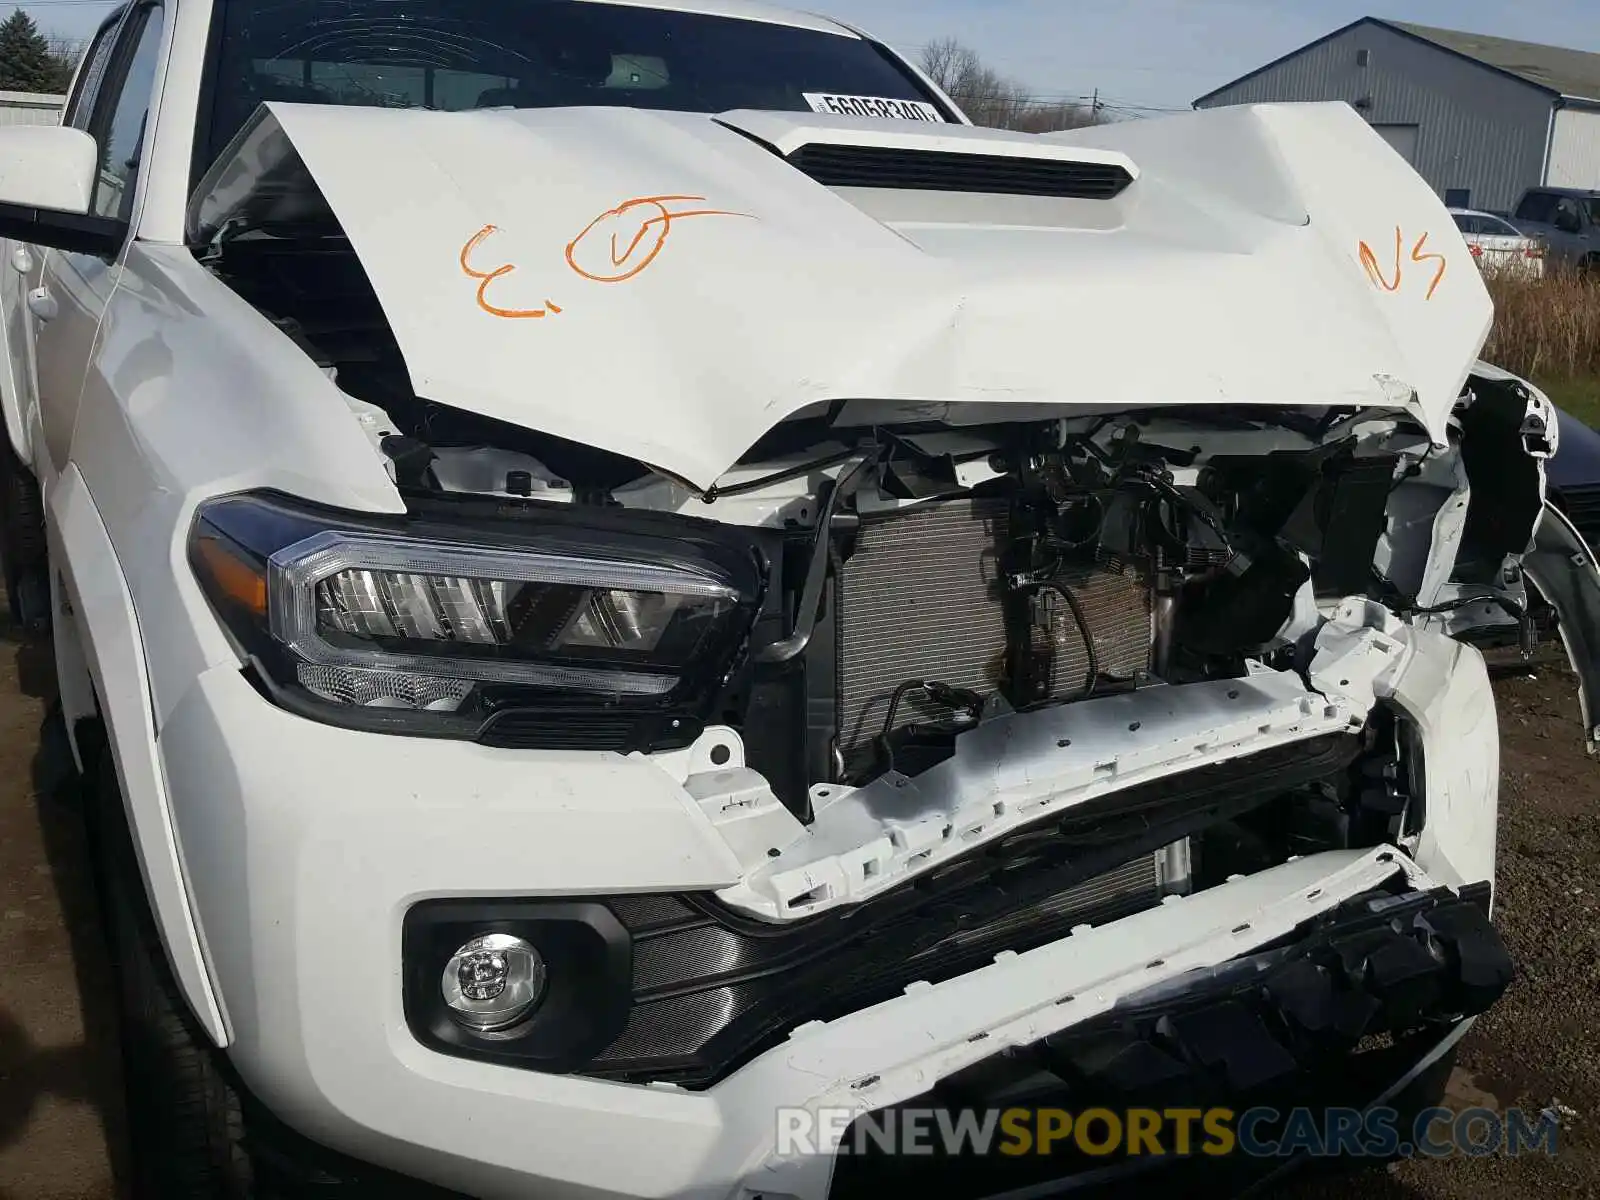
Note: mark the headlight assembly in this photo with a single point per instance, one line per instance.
(414, 617)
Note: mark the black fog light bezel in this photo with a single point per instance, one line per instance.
(588, 958)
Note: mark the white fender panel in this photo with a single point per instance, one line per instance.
(98, 595)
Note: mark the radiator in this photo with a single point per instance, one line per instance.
(1132, 888)
(920, 599)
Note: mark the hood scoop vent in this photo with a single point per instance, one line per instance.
(916, 156)
(905, 169)
(948, 172)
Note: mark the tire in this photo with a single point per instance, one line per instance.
(185, 1121)
(194, 1132)
(24, 551)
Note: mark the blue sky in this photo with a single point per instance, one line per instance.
(1156, 53)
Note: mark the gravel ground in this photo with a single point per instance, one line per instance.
(59, 1084)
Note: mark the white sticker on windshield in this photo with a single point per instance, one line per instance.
(874, 106)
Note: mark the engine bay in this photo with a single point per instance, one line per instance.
(928, 577)
(1101, 556)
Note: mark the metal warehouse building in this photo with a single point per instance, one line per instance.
(30, 108)
(1481, 118)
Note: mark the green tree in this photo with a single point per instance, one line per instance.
(27, 63)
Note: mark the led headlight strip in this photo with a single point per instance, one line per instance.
(547, 608)
(376, 589)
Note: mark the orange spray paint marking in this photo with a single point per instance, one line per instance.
(488, 277)
(621, 242)
(1369, 260)
(1417, 256)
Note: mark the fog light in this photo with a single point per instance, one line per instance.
(493, 982)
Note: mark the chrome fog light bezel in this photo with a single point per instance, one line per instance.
(493, 1004)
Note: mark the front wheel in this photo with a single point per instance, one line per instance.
(184, 1118)
(23, 554)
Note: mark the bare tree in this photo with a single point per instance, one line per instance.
(947, 62)
(66, 51)
(989, 98)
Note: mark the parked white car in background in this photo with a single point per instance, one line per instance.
(1499, 246)
(618, 570)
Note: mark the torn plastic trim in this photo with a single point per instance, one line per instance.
(894, 1052)
(1563, 568)
(1275, 1027)
(1006, 773)
(1541, 426)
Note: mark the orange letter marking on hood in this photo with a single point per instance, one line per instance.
(1369, 260)
(488, 277)
(1417, 256)
(621, 242)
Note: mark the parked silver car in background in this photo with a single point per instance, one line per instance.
(1498, 247)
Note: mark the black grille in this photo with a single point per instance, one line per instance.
(940, 171)
(713, 988)
(588, 729)
(646, 913)
(1582, 505)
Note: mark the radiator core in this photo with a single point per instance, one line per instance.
(920, 600)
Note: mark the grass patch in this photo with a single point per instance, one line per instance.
(1579, 397)
(1548, 330)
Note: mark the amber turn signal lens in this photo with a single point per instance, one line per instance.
(230, 576)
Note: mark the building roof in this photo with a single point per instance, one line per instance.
(1553, 69)
(1569, 72)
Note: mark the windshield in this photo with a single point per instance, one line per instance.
(463, 54)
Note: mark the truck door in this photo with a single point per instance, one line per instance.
(68, 296)
(23, 553)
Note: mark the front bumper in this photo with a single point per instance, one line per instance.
(1359, 1006)
(305, 845)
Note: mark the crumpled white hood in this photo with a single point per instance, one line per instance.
(666, 286)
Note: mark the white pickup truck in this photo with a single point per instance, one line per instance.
(623, 580)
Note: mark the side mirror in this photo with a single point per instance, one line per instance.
(47, 166)
(47, 178)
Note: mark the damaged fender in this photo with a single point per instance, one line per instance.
(1564, 570)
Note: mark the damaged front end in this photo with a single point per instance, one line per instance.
(944, 694)
(950, 682)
